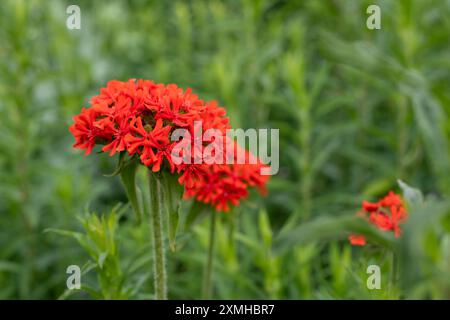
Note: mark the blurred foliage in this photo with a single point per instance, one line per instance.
(357, 110)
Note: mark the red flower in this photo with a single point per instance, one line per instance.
(390, 200)
(164, 151)
(357, 240)
(386, 214)
(144, 140)
(119, 130)
(369, 206)
(138, 117)
(85, 130)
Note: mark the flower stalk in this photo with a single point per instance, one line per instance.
(207, 278)
(156, 217)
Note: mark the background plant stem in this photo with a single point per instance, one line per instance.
(159, 263)
(207, 283)
(393, 283)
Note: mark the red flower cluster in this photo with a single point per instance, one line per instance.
(386, 214)
(139, 116)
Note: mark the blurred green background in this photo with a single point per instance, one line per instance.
(357, 109)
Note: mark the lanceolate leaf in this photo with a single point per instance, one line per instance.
(128, 177)
(172, 198)
(327, 228)
(81, 238)
(412, 195)
(120, 164)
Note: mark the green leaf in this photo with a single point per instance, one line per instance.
(377, 186)
(101, 259)
(412, 195)
(326, 228)
(79, 237)
(120, 164)
(128, 178)
(173, 192)
(264, 228)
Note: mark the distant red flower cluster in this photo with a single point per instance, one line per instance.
(386, 214)
(139, 116)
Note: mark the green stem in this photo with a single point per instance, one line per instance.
(207, 282)
(394, 275)
(159, 263)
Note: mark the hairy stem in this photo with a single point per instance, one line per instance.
(156, 213)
